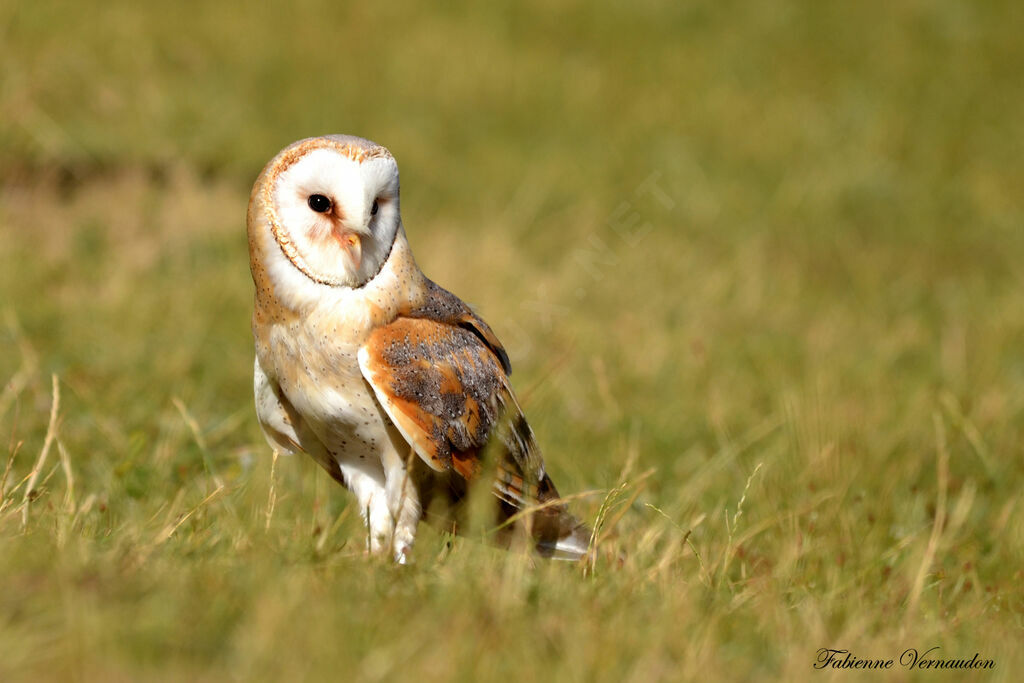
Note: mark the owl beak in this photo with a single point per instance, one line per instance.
(352, 244)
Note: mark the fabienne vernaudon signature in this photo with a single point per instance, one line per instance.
(911, 658)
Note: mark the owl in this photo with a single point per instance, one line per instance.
(391, 383)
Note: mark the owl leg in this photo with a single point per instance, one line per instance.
(403, 502)
(380, 524)
(371, 494)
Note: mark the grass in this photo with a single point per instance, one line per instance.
(757, 265)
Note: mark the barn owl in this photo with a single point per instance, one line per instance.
(391, 383)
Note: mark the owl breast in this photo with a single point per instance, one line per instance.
(308, 338)
(315, 364)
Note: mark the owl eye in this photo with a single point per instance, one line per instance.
(319, 203)
(374, 208)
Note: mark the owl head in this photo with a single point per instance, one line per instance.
(327, 208)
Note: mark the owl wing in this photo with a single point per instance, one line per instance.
(446, 391)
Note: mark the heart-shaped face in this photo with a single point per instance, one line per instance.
(331, 204)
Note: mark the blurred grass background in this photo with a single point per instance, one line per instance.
(770, 250)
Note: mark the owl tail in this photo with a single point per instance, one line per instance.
(560, 536)
(556, 533)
